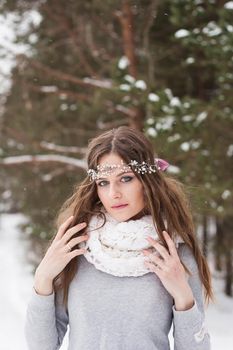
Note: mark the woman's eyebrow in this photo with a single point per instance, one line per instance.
(124, 172)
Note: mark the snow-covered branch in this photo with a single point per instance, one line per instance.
(47, 158)
(56, 91)
(104, 84)
(65, 149)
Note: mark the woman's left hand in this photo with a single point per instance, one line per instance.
(168, 267)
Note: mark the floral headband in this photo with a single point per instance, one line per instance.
(141, 168)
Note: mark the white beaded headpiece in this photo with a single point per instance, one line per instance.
(140, 168)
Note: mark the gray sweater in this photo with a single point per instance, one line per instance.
(117, 313)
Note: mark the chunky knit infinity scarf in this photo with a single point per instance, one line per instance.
(116, 248)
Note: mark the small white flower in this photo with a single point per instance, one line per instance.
(152, 132)
(150, 121)
(201, 116)
(212, 29)
(129, 79)
(185, 146)
(230, 28)
(125, 87)
(226, 194)
(230, 151)
(182, 33)
(228, 5)
(190, 60)
(175, 102)
(173, 138)
(173, 169)
(123, 62)
(168, 92)
(187, 118)
(140, 84)
(153, 97)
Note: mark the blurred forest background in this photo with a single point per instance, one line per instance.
(163, 67)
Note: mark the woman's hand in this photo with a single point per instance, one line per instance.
(170, 271)
(58, 255)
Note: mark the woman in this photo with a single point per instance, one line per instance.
(124, 264)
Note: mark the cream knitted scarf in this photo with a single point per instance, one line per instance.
(116, 248)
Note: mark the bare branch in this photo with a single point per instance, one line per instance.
(126, 111)
(22, 137)
(112, 124)
(61, 20)
(56, 172)
(104, 84)
(107, 28)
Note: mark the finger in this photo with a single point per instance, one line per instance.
(153, 268)
(162, 251)
(62, 229)
(171, 244)
(149, 250)
(69, 233)
(75, 253)
(158, 261)
(74, 241)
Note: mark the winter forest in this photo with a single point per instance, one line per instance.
(70, 70)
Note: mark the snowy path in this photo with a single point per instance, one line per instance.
(17, 279)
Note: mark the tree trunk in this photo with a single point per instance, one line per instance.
(126, 19)
(229, 273)
(228, 245)
(137, 121)
(217, 246)
(204, 236)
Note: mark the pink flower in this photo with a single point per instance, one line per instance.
(161, 164)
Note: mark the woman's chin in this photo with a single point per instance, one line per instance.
(126, 216)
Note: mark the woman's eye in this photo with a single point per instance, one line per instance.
(127, 177)
(99, 183)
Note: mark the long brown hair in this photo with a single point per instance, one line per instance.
(165, 200)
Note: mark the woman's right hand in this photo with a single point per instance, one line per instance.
(58, 256)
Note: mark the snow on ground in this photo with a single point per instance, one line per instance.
(17, 280)
(15, 283)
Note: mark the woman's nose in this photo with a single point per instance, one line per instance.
(114, 191)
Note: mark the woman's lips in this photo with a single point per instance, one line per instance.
(120, 206)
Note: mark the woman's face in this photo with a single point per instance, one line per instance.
(119, 188)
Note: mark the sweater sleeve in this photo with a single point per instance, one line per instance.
(189, 329)
(46, 321)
